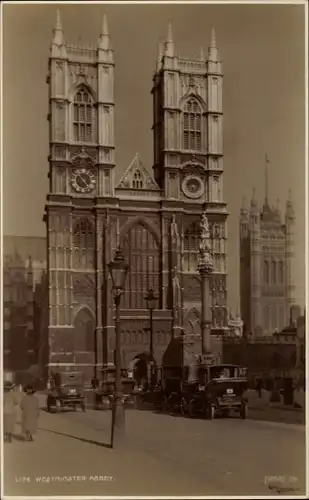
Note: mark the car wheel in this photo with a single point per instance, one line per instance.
(58, 406)
(183, 406)
(192, 408)
(244, 412)
(83, 407)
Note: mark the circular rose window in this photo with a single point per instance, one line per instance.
(193, 187)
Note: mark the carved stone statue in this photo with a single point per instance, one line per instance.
(205, 258)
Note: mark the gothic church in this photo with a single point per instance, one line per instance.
(155, 220)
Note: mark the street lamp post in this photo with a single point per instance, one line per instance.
(205, 268)
(151, 303)
(118, 271)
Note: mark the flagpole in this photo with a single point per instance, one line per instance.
(266, 179)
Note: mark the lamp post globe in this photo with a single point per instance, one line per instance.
(118, 270)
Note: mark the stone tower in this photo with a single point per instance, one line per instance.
(188, 165)
(81, 183)
(266, 262)
(154, 220)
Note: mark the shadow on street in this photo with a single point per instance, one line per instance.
(63, 410)
(83, 440)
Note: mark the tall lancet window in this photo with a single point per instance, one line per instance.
(281, 273)
(138, 180)
(192, 126)
(83, 244)
(83, 116)
(273, 273)
(141, 251)
(191, 247)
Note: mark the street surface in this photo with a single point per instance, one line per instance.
(162, 455)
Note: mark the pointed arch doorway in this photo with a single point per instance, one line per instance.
(85, 337)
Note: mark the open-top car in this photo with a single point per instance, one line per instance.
(68, 392)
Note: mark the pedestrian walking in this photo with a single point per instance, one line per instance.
(10, 405)
(30, 413)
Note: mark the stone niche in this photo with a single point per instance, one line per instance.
(192, 289)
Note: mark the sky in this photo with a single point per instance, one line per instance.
(262, 49)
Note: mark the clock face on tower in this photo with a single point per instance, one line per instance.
(83, 180)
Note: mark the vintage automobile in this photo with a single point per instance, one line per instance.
(198, 384)
(220, 390)
(67, 392)
(105, 392)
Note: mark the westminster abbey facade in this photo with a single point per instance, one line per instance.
(154, 219)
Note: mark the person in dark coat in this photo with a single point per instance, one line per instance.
(30, 413)
(10, 404)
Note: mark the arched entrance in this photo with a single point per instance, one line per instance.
(84, 335)
(140, 367)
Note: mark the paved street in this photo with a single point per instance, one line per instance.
(163, 455)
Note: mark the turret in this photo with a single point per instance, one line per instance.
(58, 48)
(254, 213)
(255, 252)
(244, 219)
(213, 61)
(169, 49)
(105, 52)
(213, 49)
(289, 242)
(289, 212)
(159, 58)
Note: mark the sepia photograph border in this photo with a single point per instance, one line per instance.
(2, 146)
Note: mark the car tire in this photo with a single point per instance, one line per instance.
(183, 407)
(192, 408)
(83, 407)
(58, 406)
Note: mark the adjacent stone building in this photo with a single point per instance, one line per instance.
(24, 263)
(154, 219)
(279, 355)
(266, 261)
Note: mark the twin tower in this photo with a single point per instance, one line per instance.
(199, 130)
(155, 218)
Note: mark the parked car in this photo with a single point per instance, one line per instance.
(220, 391)
(69, 392)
